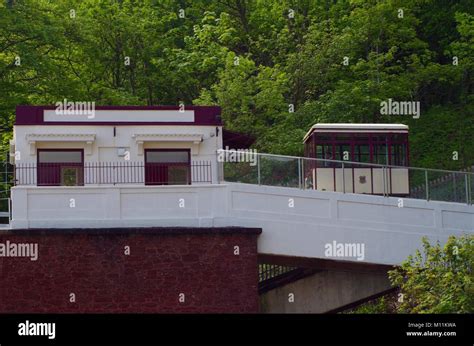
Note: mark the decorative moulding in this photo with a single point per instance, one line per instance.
(88, 139)
(194, 138)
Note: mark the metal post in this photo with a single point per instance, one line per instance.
(383, 180)
(258, 169)
(470, 188)
(218, 168)
(303, 182)
(427, 186)
(466, 183)
(343, 179)
(454, 188)
(9, 210)
(299, 173)
(222, 169)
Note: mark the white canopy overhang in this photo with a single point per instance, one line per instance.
(194, 138)
(87, 139)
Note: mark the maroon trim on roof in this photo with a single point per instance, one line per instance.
(203, 115)
(156, 231)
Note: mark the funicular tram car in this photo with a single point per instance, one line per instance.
(378, 144)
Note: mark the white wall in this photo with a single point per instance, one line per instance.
(116, 115)
(120, 206)
(104, 147)
(389, 233)
(124, 138)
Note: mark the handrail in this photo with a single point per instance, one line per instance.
(460, 191)
(350, 162)
(8, 212)
(105, 173)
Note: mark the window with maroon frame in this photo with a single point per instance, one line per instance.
(380, 148)
(60, 167)
(167, 167)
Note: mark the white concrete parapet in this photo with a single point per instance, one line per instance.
(294, 222)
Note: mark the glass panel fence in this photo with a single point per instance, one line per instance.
(240, 172)
(353, 177)
(447, 186)
(279, 171)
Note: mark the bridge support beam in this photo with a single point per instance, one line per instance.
(336, 284)
(323, 292)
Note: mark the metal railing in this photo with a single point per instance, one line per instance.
(270, 271)
(5, 209)
(6, 181)
(112, 173)
(349, 177)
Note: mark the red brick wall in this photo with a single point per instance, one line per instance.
(162, 264)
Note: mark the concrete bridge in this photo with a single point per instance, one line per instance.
(300, 223)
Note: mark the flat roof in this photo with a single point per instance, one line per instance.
(123, 115)
(350, 127)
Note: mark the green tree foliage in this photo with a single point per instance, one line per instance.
(382, 305)
(439, 279)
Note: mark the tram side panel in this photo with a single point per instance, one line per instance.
(362, 180)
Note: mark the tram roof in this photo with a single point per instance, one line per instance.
(353, 128)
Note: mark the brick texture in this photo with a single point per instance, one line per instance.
(200, 263)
